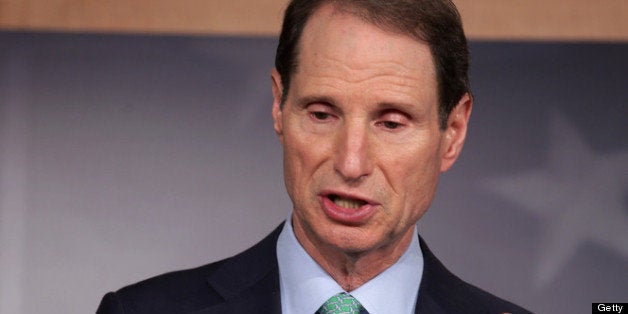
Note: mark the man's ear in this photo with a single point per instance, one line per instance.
(277, 110)
(456, 132)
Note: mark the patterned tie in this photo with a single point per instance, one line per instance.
(341, 303)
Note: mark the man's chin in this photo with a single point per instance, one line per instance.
(330, 235)
(351, 241)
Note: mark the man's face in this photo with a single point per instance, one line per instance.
(362, 146)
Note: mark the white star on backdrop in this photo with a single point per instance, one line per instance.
(579, 196)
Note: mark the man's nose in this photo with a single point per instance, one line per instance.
(352, 160)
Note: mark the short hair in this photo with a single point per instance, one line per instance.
(435, 22)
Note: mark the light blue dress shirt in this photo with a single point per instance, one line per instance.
(305, 286)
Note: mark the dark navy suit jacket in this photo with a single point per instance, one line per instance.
(249, 283)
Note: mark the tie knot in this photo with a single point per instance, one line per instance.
(341, 303)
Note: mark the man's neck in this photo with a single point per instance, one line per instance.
(352, 269)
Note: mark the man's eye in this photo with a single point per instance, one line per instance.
(320, 115)
(391, 125)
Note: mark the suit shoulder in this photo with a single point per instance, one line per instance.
(193, 289)
(489, 303)
(174, 292)
(450, 294)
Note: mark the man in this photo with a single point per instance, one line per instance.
(371, 104)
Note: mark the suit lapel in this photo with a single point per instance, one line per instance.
(433, 288)
(249, 282)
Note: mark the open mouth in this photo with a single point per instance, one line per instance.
(344, 202)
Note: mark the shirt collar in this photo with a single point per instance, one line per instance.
(305, 286)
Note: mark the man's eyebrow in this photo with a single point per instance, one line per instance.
(394, 105)
(310, 99)
(406, 107)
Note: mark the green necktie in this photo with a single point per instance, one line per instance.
(341, 303)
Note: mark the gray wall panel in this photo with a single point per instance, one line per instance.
(123, 157)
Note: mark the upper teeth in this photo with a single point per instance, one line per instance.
(347, 203)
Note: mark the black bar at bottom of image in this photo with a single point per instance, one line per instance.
(609, 307)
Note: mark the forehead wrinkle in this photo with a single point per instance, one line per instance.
(403, 95)
(398, 73)
(381, 88)
(362, 59)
